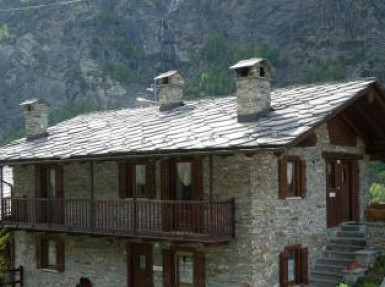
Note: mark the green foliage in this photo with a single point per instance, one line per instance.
(4, 238)
(104, 19)
(70, 110)
(329, 71)
(57, 115)
(5, 33)
(375, 275)
(217, 55)
(117, 71)
(377, 190)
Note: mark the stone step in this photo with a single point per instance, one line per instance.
(329, 267)
(352, 227)
(333, 261)
(323, 281)
(349, 240)
(332, 275)
(343, 247)
(339, 254)
(349, 234)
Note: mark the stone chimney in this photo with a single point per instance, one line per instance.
(253, 81)
(36, 118)
(169, 90)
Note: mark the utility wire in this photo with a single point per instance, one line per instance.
(41, 6)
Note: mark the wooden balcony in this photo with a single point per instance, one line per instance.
(192, 221)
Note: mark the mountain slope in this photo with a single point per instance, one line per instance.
(106, 52)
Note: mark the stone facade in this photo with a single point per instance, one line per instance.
(264, 223)
(36, 115)
(375, 234)
(253, 90)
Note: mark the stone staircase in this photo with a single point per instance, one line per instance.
(339, 252)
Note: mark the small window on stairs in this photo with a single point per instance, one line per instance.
(293, 266)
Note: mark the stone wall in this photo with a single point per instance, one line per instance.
(264, 223)
(375, 235)
(100, 259)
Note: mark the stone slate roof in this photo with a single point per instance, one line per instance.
(198, 125)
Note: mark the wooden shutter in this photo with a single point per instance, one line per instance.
(282, 177)
(304, 265)
(168, 268)
(283, 270)
(59, 182)
(125, 180)
(60, 255)
(197, 179)
(356, 191)
(165, 180)
(39, 252)
(199, 270)
(297, 263)
(303, 190)
(40, 183)
(151, 180)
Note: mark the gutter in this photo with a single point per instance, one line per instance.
(173, 153)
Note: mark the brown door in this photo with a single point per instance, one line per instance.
(339, 191)
(141, 265)
(344, 190)
(50, 202)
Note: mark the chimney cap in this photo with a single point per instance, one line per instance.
(167, 75)
(33, 101)
(251, 63)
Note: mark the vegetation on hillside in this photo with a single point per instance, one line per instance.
(57, 115)
(217, 55)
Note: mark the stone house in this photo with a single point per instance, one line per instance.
(245, 190)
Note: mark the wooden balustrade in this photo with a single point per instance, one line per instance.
(375, 212)
(197, 221)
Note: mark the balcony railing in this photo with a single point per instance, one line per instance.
(196, 221)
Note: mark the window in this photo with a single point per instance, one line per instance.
(50, 253)
(137, 180)
(183, 268)
(294, 266)
(183, 186)
(49, 181)
(292, 177)
(49, 185)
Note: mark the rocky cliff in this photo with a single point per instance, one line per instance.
(106, 52)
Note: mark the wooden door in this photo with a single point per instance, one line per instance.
(344, 191)
(339, 191)
(49, 193)
(187, 192)
(141, 265)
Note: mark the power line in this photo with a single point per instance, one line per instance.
(41, 6)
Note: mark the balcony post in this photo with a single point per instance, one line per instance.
(135, 217)
(92, 197)
(232, 204)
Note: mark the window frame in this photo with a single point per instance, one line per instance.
(171, 268)
(43, 253)
(299, 177)
(127, 179)
(300, 265)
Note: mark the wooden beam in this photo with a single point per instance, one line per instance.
(345, 117)
(338, 155)
(370, 121)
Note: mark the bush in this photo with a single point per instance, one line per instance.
(375, 276)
